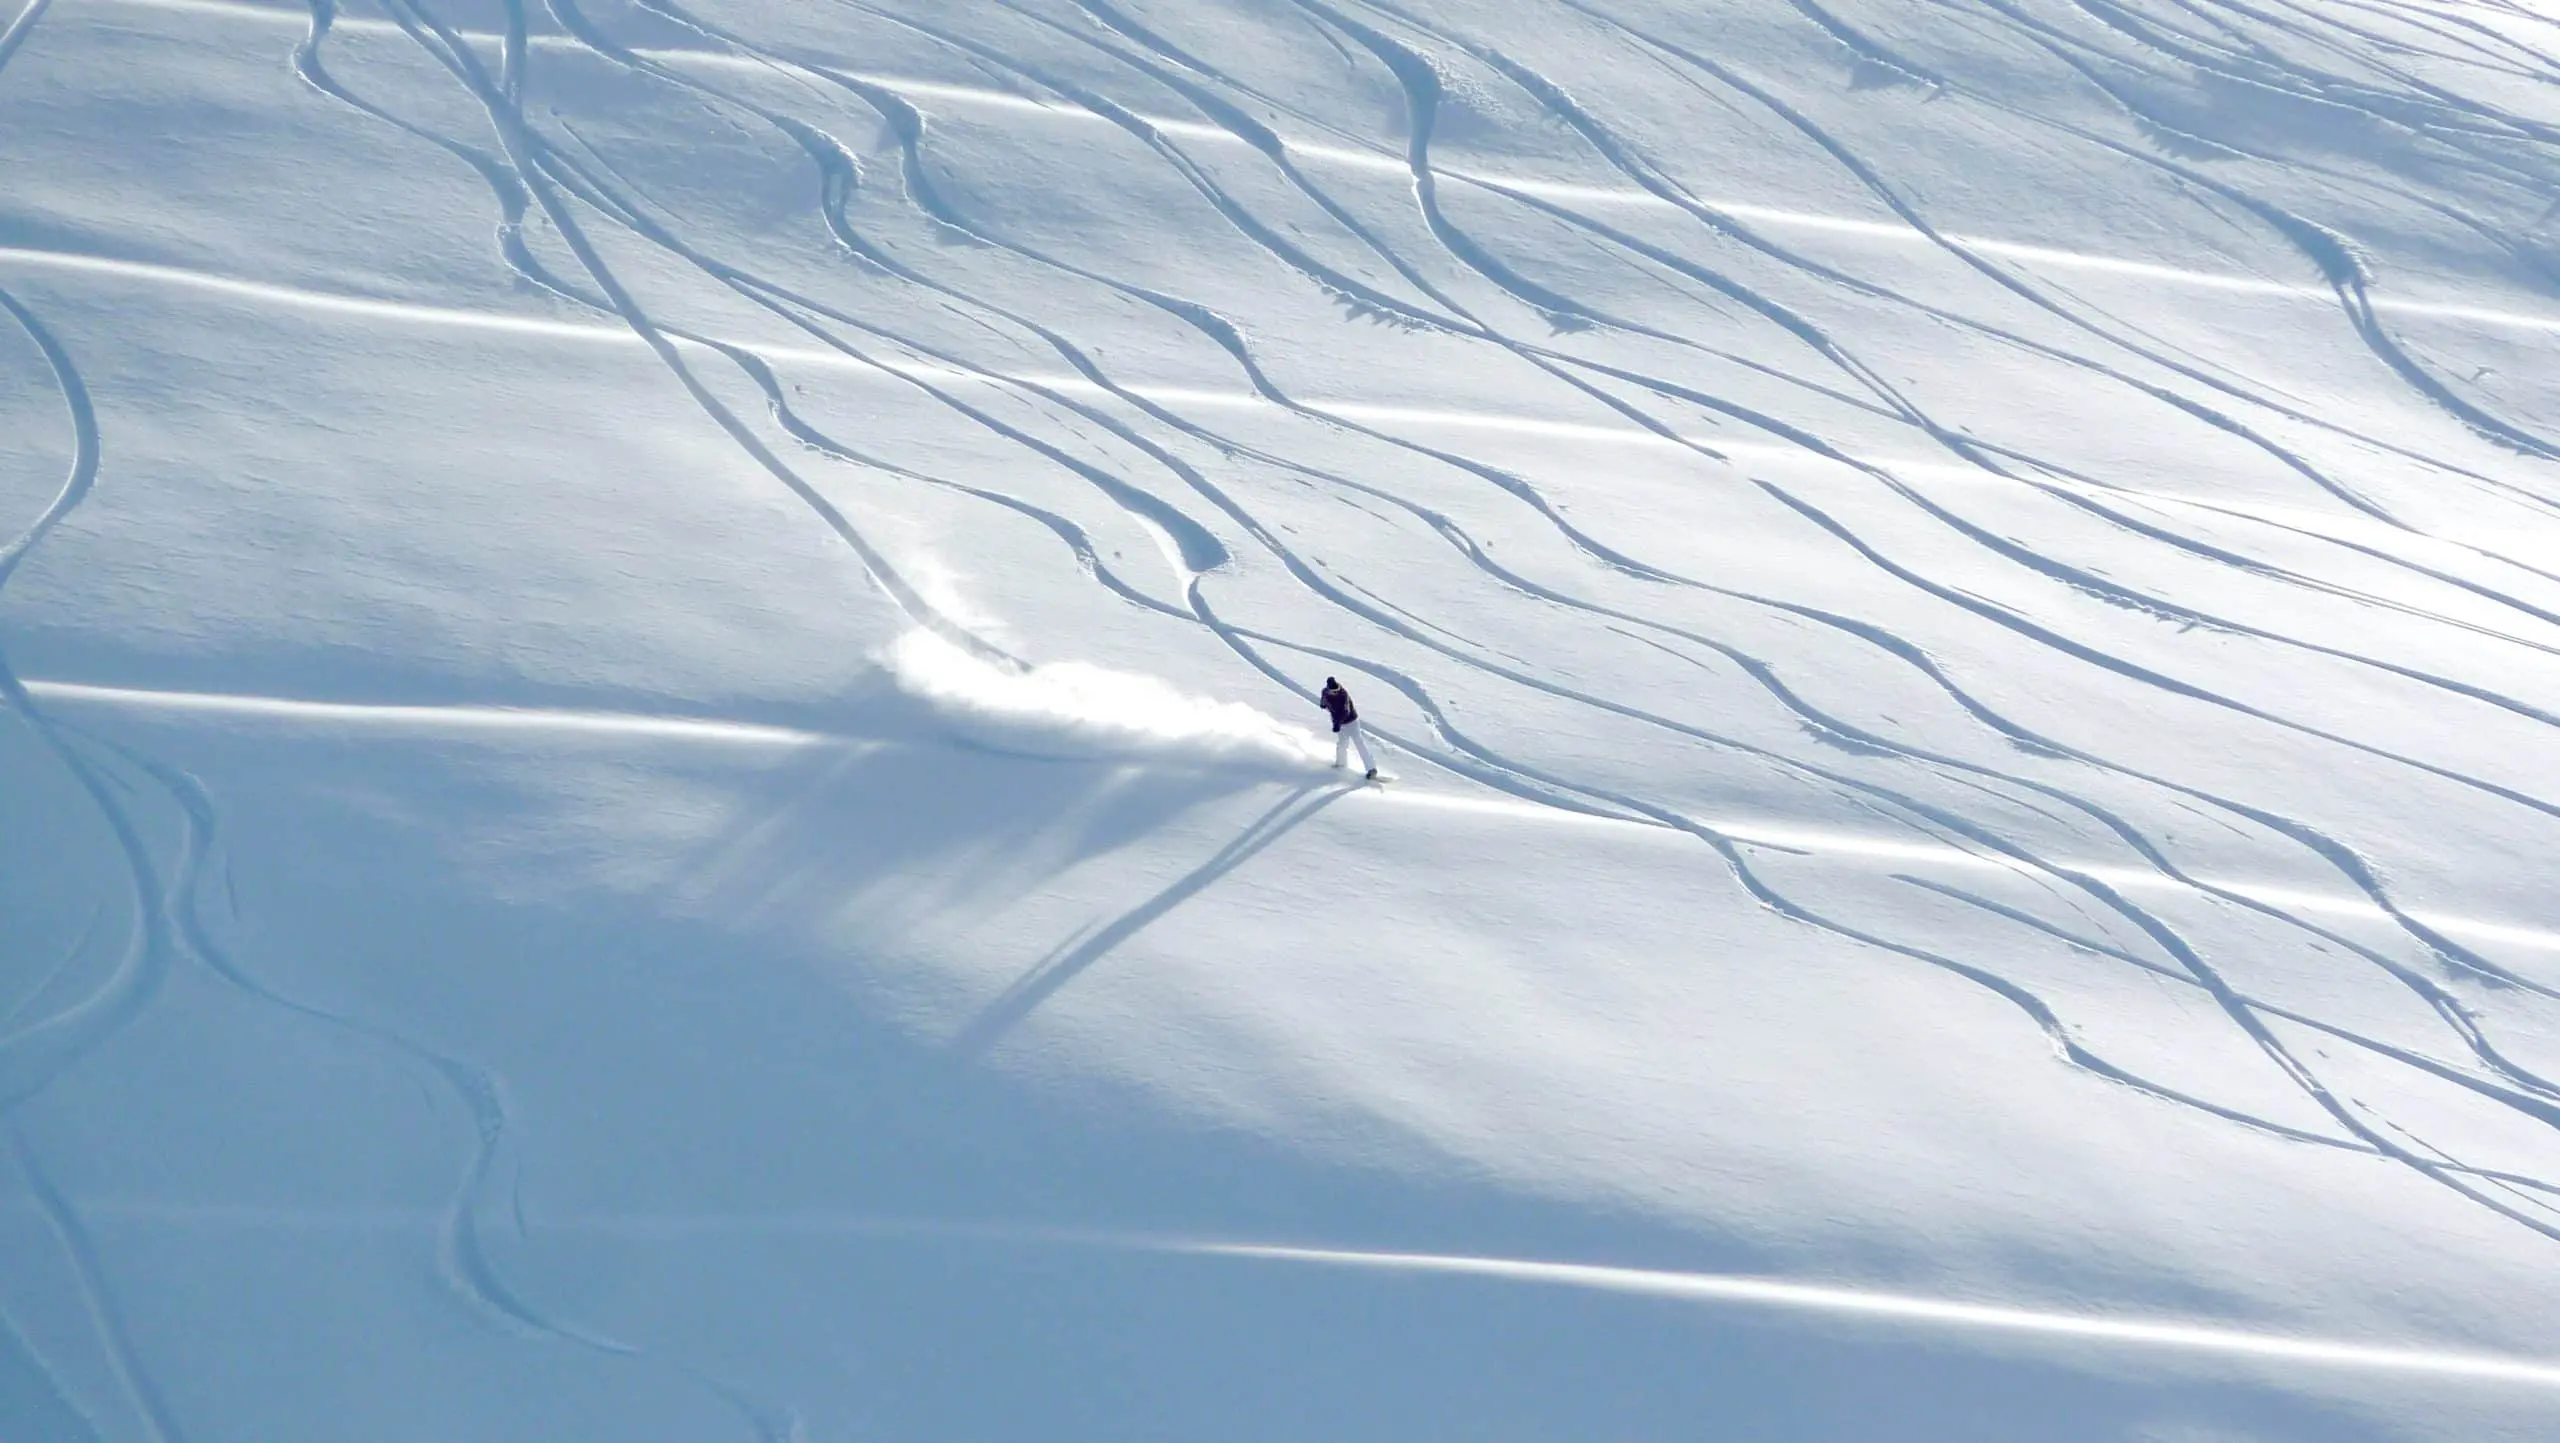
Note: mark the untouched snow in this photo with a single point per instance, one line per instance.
(659, 777)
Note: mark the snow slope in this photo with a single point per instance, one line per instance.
(659, 776)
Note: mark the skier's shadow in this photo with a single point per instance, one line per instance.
(1071, 957)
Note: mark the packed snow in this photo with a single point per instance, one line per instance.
(660, 778)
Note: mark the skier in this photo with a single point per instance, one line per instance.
(1346, 726)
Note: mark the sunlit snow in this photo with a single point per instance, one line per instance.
(660, 775)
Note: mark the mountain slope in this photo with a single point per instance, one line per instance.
(661, 780)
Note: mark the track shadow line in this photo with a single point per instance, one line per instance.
(1072, 957)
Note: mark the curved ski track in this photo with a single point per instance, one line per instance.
(1752, 353)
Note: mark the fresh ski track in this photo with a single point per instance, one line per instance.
(1780, 836)
(551, 172)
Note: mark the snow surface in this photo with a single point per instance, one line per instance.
(660, 778)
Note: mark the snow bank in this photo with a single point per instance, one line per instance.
(1075, 709)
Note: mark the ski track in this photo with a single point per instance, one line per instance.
(1750, 317)
(535, 722)
(33, 1054)
(2346, 528)
(1377, 162)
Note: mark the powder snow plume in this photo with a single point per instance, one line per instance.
(1075, 709)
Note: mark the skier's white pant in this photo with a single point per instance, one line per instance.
(1348, 736)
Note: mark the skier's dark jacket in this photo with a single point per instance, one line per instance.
(1337, 704)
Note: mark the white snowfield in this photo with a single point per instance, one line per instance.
(659, 776)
